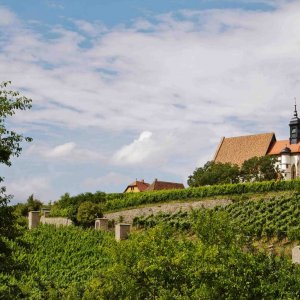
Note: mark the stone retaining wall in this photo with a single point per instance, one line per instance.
(56, 221)
(128, 215)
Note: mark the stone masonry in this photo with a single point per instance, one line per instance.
(127, 216)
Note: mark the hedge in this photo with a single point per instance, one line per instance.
(124, 200)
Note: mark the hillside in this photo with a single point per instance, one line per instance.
(212, 247)
(68, 206)
(212, 260)
(215, 253)
(267, 216)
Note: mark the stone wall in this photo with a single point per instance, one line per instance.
(128, 215)
(56, 221)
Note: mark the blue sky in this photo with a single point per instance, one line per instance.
(142, 89)
(114, 12)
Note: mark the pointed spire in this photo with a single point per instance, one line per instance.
(295, 111)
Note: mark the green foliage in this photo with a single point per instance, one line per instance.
(161, 263)
(88, 212)
(21, 210)
(254, 169)
(278, 216)
(260, 169)
(10, 102)
(212, 259)
(10, 146)
(275, 217)
(214, 173)
(67, 206)
(62, 260)
(136, 199)
(32, 204)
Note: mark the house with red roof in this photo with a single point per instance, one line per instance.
(236, 150)
(137, 186)
(156, 185)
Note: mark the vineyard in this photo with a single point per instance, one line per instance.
(67, 206)
(206, 261)
(276, 216)
(203, 254)
(120, 201)
(61, 260)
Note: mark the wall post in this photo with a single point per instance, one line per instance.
(33, 219)
(101, 224)
(122, 231)
(296, 255)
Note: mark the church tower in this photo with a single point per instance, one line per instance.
(295, 128)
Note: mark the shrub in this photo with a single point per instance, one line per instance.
(88, 212)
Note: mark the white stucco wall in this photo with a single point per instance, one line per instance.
(286, 163)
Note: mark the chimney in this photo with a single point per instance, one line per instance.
(155, 180)
(142, 180)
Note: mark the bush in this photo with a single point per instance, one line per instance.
(118, 201)
(88, 212)
(67, 206)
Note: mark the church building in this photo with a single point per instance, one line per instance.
(236, 150)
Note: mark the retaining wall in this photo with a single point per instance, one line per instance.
(56, 221)
(128, 215)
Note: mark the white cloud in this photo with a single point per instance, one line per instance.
(227, 66)
(188, 78)
(138, 151)
(23, 187)
(61, 150)
(6, 17)
(70, 152)
(91, 29)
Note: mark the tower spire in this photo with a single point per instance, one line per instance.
(295, 127)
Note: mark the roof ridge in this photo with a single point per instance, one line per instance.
(239, 136)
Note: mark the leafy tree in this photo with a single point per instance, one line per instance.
(260, 169)
(162, 263)
(33, 204)
(22, 209)
(67, 206)
(88, 212)
(214, 173)
(10, 146)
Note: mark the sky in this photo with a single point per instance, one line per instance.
(128, 89)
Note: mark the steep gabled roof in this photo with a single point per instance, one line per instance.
(164, 185)
(236, 150)
(278, 146)
(141, 185)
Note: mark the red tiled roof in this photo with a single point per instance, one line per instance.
(236, 150)
(279, 145)
(141, 185)
(163, 185)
